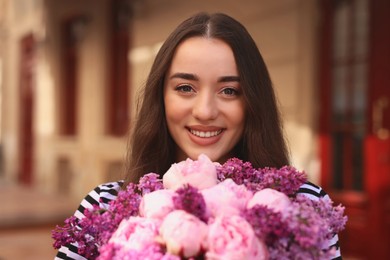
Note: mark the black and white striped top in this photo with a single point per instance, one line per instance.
(107, 192)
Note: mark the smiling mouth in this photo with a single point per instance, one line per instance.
(205, 134)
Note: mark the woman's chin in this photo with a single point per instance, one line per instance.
(215, 155)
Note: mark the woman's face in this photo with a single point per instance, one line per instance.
(204, 105)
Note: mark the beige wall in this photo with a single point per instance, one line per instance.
(87, 157)
(285, 31)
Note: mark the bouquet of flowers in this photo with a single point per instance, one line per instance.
(204, 210)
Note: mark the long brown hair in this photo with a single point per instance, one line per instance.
(151, 148)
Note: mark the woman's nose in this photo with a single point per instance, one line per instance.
(205, 107)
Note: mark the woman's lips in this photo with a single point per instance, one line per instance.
(203, 136)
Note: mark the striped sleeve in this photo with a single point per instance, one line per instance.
(100, 196)
(315, 192)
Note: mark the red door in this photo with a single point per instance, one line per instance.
(26, 101)
(377, 142)
(355, 121)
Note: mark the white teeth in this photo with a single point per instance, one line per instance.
(205, 134)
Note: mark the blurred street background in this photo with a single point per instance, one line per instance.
(70, 72)
(26, 220)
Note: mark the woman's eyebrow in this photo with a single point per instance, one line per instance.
(229, 79)
(190, 76)
(182, 75)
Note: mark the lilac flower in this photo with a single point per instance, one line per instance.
(301, 231)
(97, 226)
(93, 232)
(332, 215)
(286, 179)
(150, 182)
(127, 203)
(309, 230)
(241, 172)
(65, 235)
(267, 224)
(189, 199)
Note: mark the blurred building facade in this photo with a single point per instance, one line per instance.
(70, 72)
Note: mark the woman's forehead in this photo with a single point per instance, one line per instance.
(202, 54)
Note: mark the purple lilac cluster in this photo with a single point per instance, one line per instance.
(64, 235)
(189, 199)
(333, 215)
(267, 224)
(286, 179)
(149, 183)
(302, 231)
(96, 228)
(89, 232)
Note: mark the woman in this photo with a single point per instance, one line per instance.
(208, 92)
(262, 143)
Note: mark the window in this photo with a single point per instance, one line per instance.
(118, 88)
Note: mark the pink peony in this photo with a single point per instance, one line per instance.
(232, 237)
(136, 233)
(226, 198)
(183, 233)
(271, 198)
(156, 204)
(200, 174)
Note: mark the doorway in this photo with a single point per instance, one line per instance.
(355, 120)
(26, 106)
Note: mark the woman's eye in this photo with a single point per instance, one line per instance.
(184, 88)
(230, 92)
